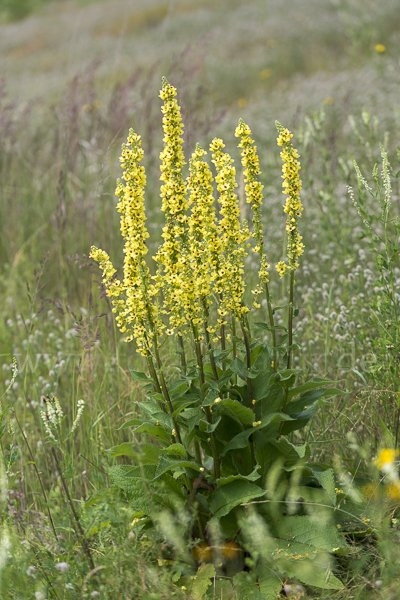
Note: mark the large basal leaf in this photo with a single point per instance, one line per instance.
(269, 581)
(327, 481)
(309, 531)
(228, 496)
(313, 574)
(172, 463)
(202, 581)
(245, 587)
(131, 480)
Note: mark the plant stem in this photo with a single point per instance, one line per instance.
(234, 344)
(38, 474)
(272, 324)
(290, 321)
(80, 531)
(290, 337)
(209, 347)
(182, 354)
(207, 408)
(244, 327)
(164, 389)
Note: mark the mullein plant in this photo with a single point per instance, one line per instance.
(219, 427)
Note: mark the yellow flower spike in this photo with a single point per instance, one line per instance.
(173, 266)
(137, 315)
(204, 244)
(293, 207)
(233, 237)
(253, 190)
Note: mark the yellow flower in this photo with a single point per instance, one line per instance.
(253, 189)
(380, 48)
(229, 283)
(293, 207)
(203, 241)
(137, 315)
(386, 458)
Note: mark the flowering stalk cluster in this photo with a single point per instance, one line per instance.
(293, 207)
(172, 257)
(137, 314)
(204, 242)
(229, 281)
(253, 189)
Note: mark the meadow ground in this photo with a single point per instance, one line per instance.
(75, 77)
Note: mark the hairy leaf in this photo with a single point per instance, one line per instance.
(228, 496)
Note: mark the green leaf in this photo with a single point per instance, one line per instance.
(139, 376)
(314, 574)
(152, 429)
(241, 440)
(171, 463)
(254, 475)
(202, 581)
(240, 413)
(245, 587)
(131, 423)
(228, 496)
(131, 480)
(237, 366)
(291, 453)
(284, 378)
(174, 450)
(327, 481)
(152, 412)
(310, 385)
(125, 449)
(270, 583)
(207, 427)
(260, 384)
(309, 531)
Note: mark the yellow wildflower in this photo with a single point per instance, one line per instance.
(229, 282)
(137, 315)
(204, 244)
(380, 48)
(386, 457)
(172, 256)
(253, 189)
(293, 207)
